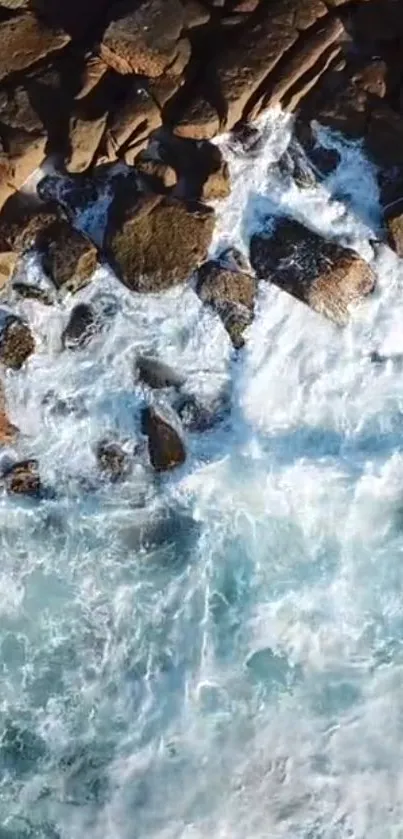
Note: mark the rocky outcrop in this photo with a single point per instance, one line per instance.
(165, 444)
(157, 242)
(322, 274)
(16, 340)
(25, 41)
(231, 293)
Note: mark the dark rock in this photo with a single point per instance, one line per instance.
(112, 460)
(157, 374)
(23, 478)
(231, 294)
(324, 160)
(165, 445)
(195, 416)
(80, 328)
(159, 175)
(294, 164)
(157, 242)
(199, 120)
(325, 275)
(130, 123)
(16, 340)
(384, 138)
(201, 169)
(246, 139)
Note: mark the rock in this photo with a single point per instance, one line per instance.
(85, 137)
(8, 263)
(198, 121)
(23, 138)
(325, 160)
(157, 242)
(195, 416)
(8, 431)
(326, 276)
(144, 41)
(25, 41)
(80, 327)
(217, 184)
(384, 138)
(241, 69)
(131, 122)
(16, 340)
(23, 478)
(112, 460)
(394, 227)
(231, 294)
(159, 175)
(157, 374)
(294, 164)
(165, 445)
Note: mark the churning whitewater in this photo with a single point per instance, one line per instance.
(218, 652)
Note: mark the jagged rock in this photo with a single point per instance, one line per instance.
(165, 445)
(16, 340)
(144, 41)
(112, 460)
(80, 327)
(300, 62)
(294, 164)
(69, 258)
(25, 41)
(8, 431)
(160, 175)
(23, 139)
(201, 169)
(23, 478)
(85, 136)
(94, 70)
(241, 69)
(195, 416)
(231, 293)
(217, 184)
(198, 121)
(157, 374)
(130, 124)
(157, 242)
(326, 276)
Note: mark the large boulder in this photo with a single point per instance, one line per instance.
(25, 40)
(156, 242)
(165, 444)
(231, 293)
(156, 374)
(144, 40)
(80, 327)
(326, 276)
(16, 340)
(69, 257)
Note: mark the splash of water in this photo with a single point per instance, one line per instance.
(237, 671)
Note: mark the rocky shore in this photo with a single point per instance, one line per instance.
(123, 99)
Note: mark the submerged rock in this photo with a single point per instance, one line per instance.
(231, 293)
(16, 340)
(157, 374)
(157, 242)
(80, 328)
(23, 478)
(165, 445)
(8, 431)
(112, 460)
(326, 276)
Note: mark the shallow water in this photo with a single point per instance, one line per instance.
(219, 652)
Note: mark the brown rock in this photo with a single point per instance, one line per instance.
(230, 293)
(217, 184)
(195, 14)
(165, 444)
(23, 478)
(199, 120)
(241, 69)
(144, 41)
(326, 276)
(85, 137)
(16, 341)
(159, 174)
(157, 243)
(394, 226)
(25, 41)
(94, 70)
(70, 257)
(131, 123)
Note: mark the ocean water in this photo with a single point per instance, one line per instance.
(217, 652)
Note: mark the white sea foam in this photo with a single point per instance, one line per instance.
(237, 673)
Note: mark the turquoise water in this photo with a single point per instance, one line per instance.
(218, 652)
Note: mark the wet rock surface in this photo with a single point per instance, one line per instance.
(112, 460)
(16, 340)
(326, 276)
(23, 479)
(165, 444)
